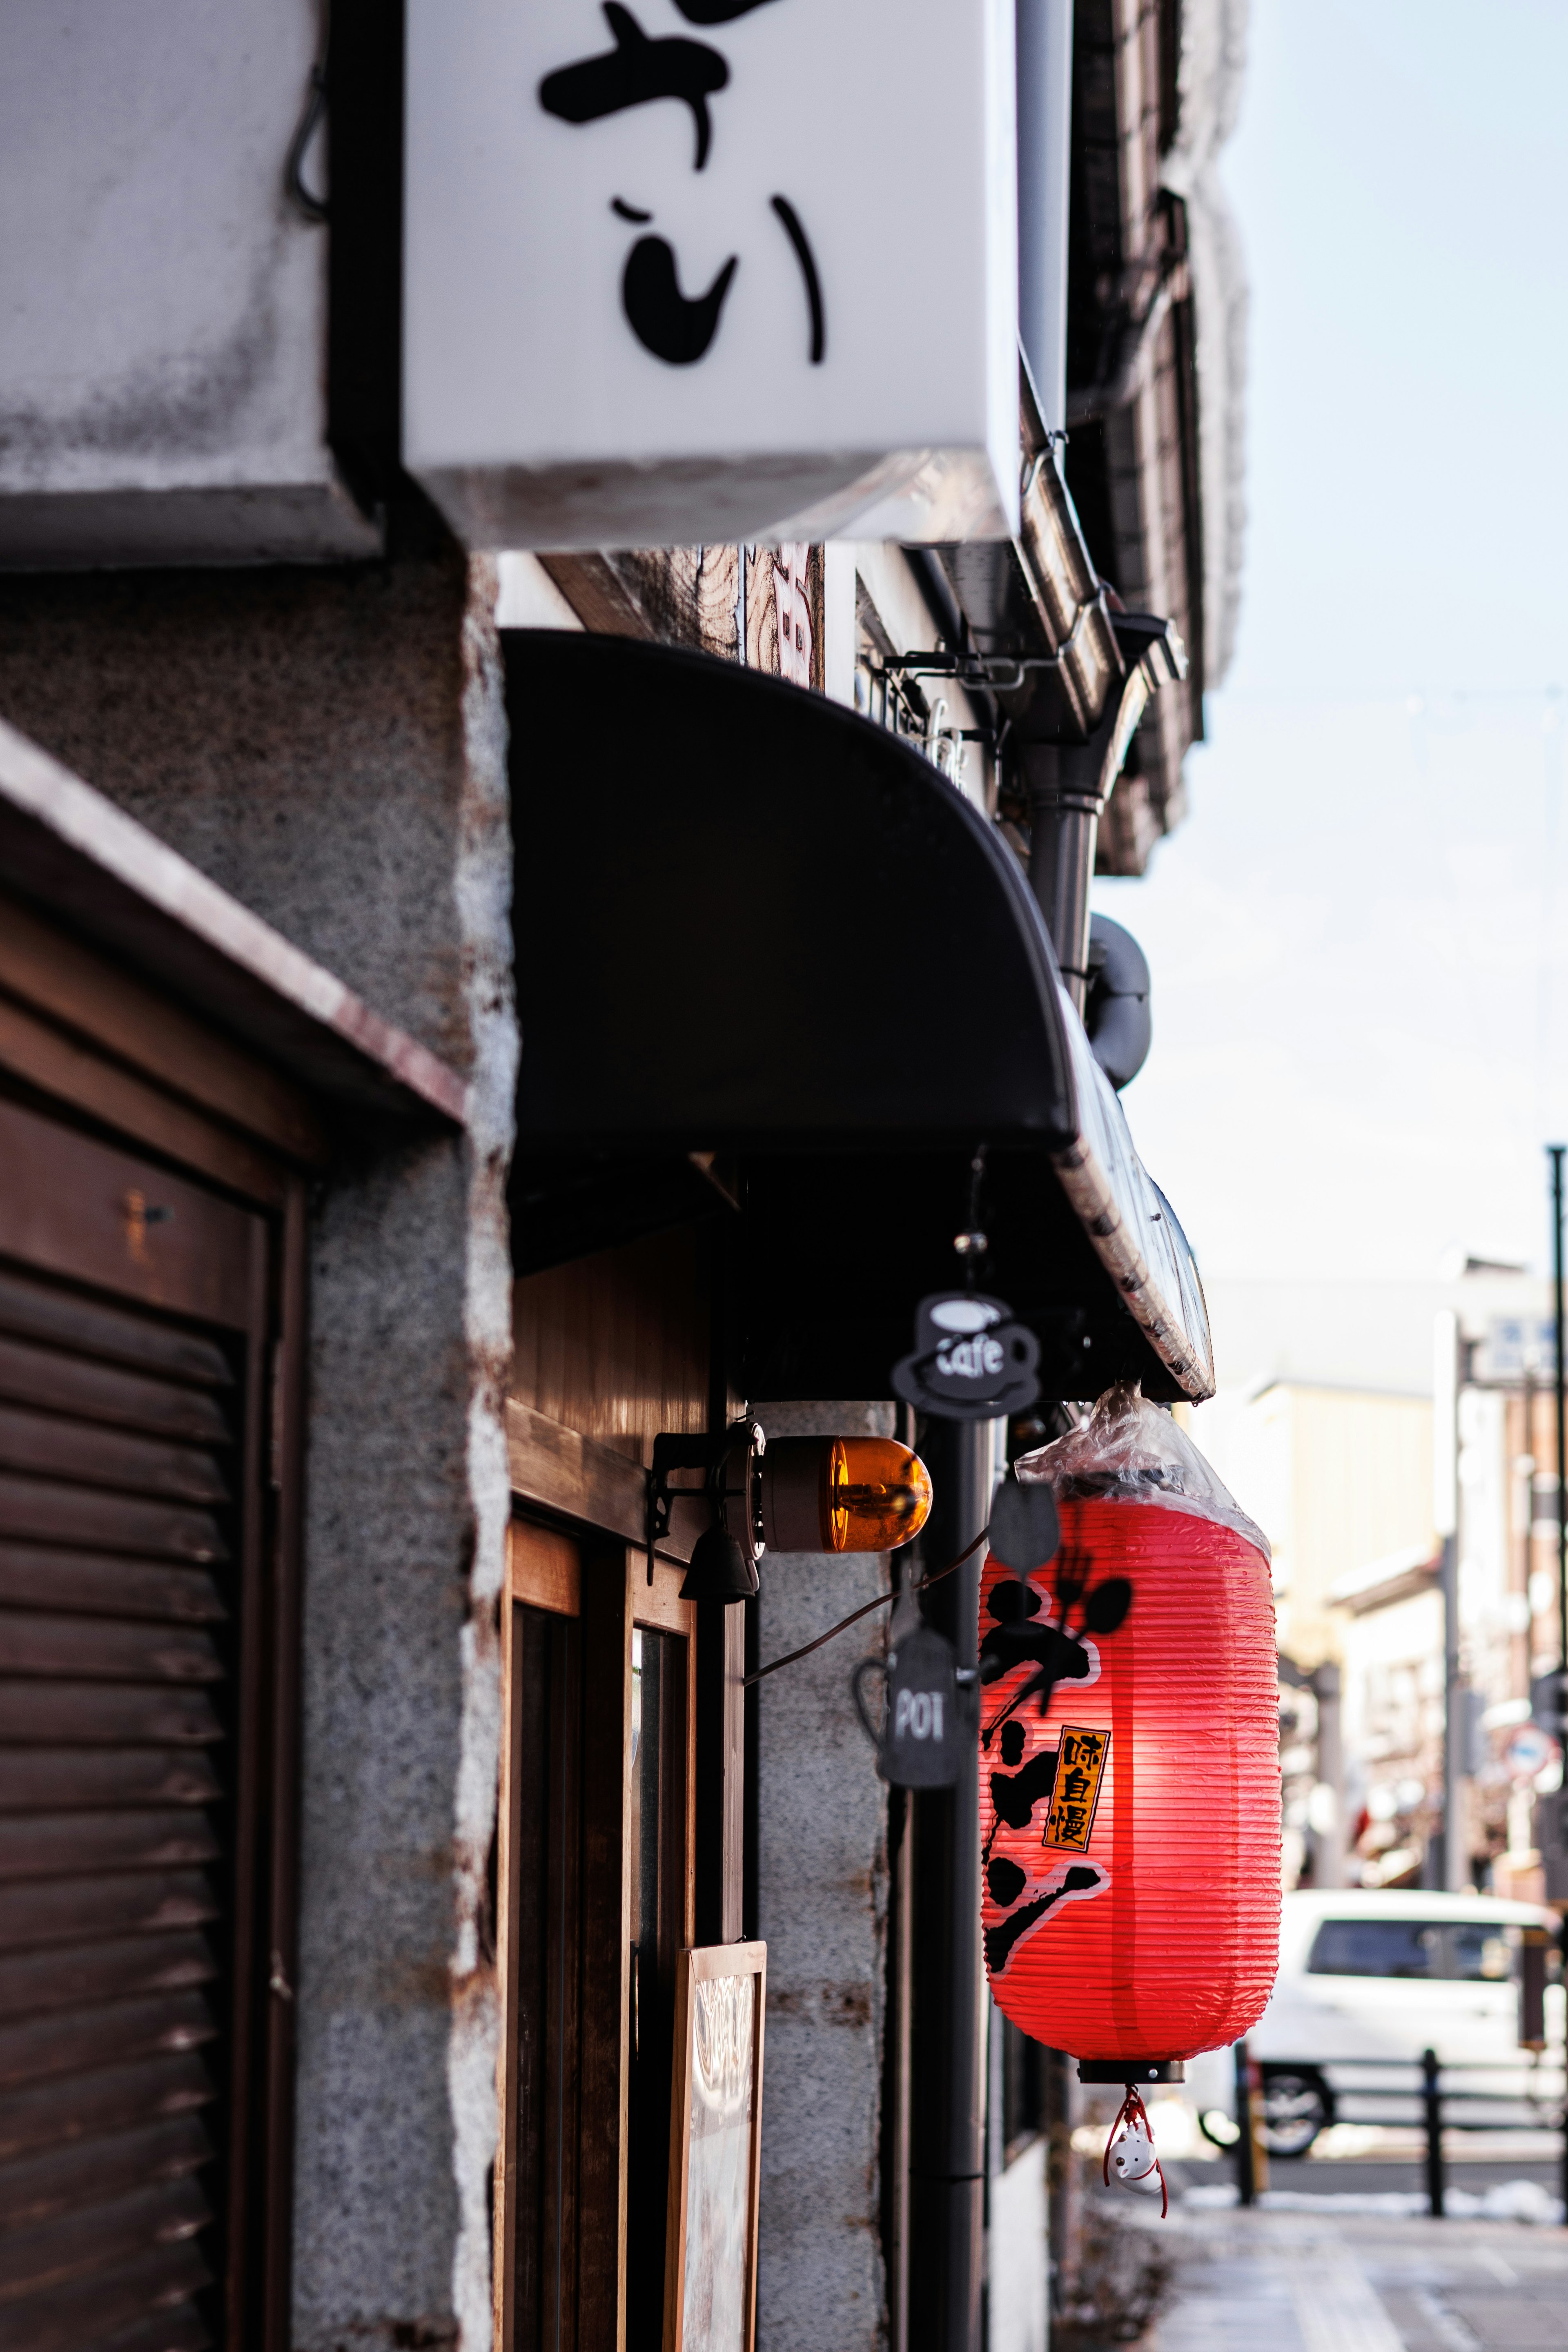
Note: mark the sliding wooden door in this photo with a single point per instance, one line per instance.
(145, 1752)
(593, 1904)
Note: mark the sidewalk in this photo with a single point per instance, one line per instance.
(1300, 2282)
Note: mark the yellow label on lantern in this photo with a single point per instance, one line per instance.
(1080, 1768)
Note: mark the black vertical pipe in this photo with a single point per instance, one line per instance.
(895, 2075)
(1563, 2160)
(1064, 789)
(947, 2091)
(1062, 2181)
(1245, 2149)
(1560, 1403)
(1432, 2101)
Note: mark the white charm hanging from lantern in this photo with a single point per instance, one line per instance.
(1130, 2155)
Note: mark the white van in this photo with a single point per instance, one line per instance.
(1370, 1976)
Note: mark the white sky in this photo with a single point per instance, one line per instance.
(1359, 935)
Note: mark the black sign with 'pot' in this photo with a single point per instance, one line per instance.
(971, 1360)
(928, 1725)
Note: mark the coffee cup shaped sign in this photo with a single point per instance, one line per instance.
(922, 1741)
(971, 1360)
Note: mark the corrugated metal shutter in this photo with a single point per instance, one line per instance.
(118, 1533)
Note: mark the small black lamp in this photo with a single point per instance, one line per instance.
(723, 1563)
(720, 1568)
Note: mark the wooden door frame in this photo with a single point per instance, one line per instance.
(602, 1581)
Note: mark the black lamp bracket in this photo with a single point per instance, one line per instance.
(711, 1451)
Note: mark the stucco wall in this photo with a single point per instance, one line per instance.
(822, 1902)
(163, 370)
(330, 748)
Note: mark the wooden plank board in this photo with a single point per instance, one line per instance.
(73, 983)
(45, 1779)
(73, 1646)
(37, 1912)
(43, 2186)
(62, 1845)
(47, 1445)
(542, 1569)
(45, 2115)
(98, 1584)
(78, 1208)
(32, 1982)
(100, 2308)
(104, 2233)
(56, 1064)
(65, 1515)
(106, 1715)
(91, 2038)
(48, 1379)
(62, 1318)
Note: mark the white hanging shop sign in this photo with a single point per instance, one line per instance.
(681, 271)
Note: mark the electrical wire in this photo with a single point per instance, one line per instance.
(880, 1602)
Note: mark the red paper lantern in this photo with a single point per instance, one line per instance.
(1130, 1838)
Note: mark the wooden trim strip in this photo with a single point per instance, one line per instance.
(71, 848)
(58, 976)
(38, 1053)
(556, 1469)
(543, 1572)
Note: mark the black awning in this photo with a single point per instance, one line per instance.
(755, 928)
(755, 918)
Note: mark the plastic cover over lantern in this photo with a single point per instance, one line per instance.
(1129, 1767)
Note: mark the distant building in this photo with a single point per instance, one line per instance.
(1339, 1472)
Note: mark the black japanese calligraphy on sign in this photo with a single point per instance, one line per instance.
(1076, 1793)
(1023, 1634)
(640, 69)
(1030, 1630)
(1069, 1882)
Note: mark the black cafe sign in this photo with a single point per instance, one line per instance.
(971, 1361)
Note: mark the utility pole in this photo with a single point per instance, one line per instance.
(1554, 1152)
(1445, 1523)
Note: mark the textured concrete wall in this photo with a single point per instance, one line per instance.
(823, 1907)
(330, 747)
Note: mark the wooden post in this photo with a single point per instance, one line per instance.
(721, 1763)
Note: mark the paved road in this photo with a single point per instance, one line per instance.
(1298, 2281)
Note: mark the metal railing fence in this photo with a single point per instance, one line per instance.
(1436, 2096)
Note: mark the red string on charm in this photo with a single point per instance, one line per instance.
(1134, 2116)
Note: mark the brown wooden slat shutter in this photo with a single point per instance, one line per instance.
(129, 1511)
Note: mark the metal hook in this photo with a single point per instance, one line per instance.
(310, 207)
